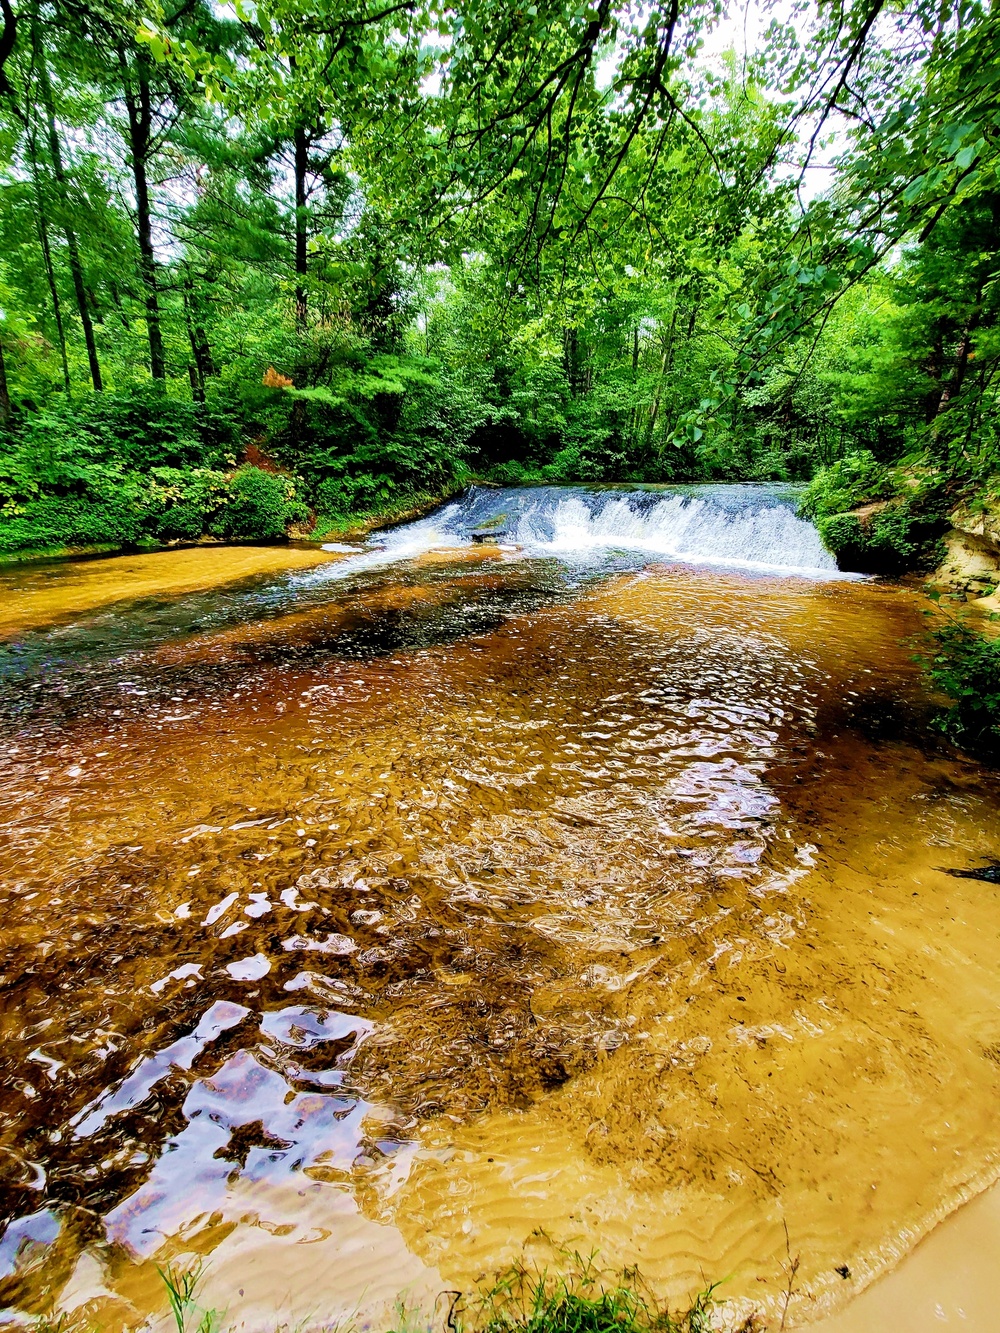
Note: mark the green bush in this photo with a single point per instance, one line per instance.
(181, 522)
(138, 429)
(261, 505)
(72, 520)
(900, 530)
(514, 473)
(966, 667)
(856, 479)
(85, 502)
(897, 538)
(383, 429)
(119, 469)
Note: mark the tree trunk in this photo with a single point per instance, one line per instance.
(301, 226)
(201, 348)
(666, 365)
(50, 275)
(116, 298)
(6, 411)
(201, 366)
(953, 387)
(933, 368)
(8, 39)
(655, 410)
(72, 245)
(669, 362)
(140, 127)
(573, 358)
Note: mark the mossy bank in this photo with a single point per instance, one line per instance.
(914, 518)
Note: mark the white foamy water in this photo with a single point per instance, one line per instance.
(680, 527)
(742, 527)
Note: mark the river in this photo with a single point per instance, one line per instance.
(377, 917)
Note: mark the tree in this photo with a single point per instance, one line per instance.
(59, 174)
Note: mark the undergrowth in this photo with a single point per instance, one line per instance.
(525, 1299)
(877, 519)
(965, 665)
(530, 1300)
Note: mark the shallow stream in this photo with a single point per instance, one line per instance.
(376, 918)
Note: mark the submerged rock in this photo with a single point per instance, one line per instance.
(990, 874)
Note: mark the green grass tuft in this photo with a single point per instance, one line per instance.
(534, 1300)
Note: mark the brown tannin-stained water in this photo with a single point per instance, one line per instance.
(378, 925)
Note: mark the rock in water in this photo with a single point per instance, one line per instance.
(990, 873)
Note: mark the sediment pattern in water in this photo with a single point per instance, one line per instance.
(350, 945)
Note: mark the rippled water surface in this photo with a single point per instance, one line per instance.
(362, 918)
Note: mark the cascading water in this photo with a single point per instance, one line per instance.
(448, 913)
(570, 533)
(744, 527)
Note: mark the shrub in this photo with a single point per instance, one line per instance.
(102, 504)
(856, 479)
(897, 533)
(261, 505)
(72, 520)
(892, 540)
(966, 667)
(114, 468)
(182, 522)
(141, 428)
(377, 440)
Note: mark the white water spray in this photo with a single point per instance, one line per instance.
(741, 527)
(693, 529)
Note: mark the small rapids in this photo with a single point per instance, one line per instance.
(742, 527)
(385, 917)
(559, 536)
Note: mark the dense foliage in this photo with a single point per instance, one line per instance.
(267, 266)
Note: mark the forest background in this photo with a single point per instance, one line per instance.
(266, 267)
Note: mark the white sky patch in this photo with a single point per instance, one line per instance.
(741, 32)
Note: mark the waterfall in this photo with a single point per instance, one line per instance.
(741, 527)
(696, 529)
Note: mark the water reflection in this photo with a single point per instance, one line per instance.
(334, 916)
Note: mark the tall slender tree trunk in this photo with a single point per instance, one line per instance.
(670, 341)
(140, 126)
(201, 348)
(8, 39)
(42, 226)
(666, 365)
(572, 359)
(116, 298)
(201, 365)
(50, 277)
(6, 411)
(635, 413)
(933, 368)
(953, 385)
(654, 411)
(301, 226)
(72, 244)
